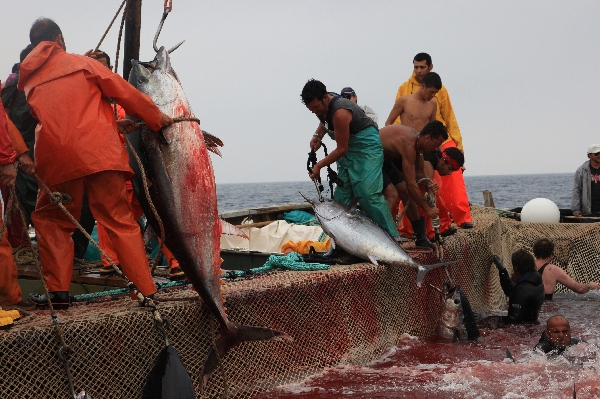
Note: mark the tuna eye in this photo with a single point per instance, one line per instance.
(142, 79)
(457, 301)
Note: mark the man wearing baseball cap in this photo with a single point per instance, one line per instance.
(586, 185)
(350, 94)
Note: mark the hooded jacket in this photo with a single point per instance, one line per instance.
(7, 155)
(17, 109)
(581, 198)
(525, 297)
(445, 112)
(77, 134)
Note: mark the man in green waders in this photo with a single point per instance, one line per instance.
(359, 154)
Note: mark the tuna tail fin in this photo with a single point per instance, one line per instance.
(235, 335)
(424, 269)
(469, 317)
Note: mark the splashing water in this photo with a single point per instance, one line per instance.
(429, 368)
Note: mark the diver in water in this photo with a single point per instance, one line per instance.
(556, 337)
(525, 291)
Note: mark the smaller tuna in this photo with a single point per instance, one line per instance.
(457, 321)
(358, 235)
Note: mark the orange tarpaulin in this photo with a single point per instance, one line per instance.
(303, 247)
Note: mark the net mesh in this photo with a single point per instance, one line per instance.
(347, 314)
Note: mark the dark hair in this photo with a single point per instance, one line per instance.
(313, 89)
(15, 68)
(543, 248)
(455, 154)
(435, 129)
(25, 52)
(43, 29)
(432, 79)
(423, 57)
(104, 55)
(522, 262)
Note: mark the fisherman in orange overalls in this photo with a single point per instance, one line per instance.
(175, 272)
(78, 148)
(12, 147)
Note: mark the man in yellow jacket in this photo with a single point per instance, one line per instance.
(453, 191)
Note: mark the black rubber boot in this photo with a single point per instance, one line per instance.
(419, 229)
(60, 300)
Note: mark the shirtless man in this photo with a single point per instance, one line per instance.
(403, 149)
(416, 109)
(543, 249)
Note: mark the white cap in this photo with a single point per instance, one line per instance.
(594, 148)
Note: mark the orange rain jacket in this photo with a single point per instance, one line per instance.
(445, 112)
(10, 291)
(77, 134)
(7, 154)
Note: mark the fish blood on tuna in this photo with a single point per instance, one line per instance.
(183, 191)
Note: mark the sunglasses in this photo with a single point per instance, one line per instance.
(347, 96)
(596, 153)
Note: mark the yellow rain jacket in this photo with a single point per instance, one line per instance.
(445, 112)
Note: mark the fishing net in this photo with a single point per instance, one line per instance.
(346, 314)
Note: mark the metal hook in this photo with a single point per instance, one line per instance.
(163, 326)
(319, 188)
(160, 25)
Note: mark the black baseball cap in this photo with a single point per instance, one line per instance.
(348, 90)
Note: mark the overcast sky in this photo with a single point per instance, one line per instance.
(523, 76)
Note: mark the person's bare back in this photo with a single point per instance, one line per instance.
(399, 140)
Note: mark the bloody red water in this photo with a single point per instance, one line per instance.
(428, 368)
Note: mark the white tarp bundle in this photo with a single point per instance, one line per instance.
(271, 237)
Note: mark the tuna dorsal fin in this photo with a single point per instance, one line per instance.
(352, 205)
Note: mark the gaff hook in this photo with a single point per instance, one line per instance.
(162, 21)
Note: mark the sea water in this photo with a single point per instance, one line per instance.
(428, 368)
(509, 191)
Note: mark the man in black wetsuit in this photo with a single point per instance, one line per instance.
(557, 336)
(526, 294)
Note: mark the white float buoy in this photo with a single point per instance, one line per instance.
(540, 210)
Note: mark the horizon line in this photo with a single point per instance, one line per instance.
(309, 181)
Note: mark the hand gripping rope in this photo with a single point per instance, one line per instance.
(435, 223)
